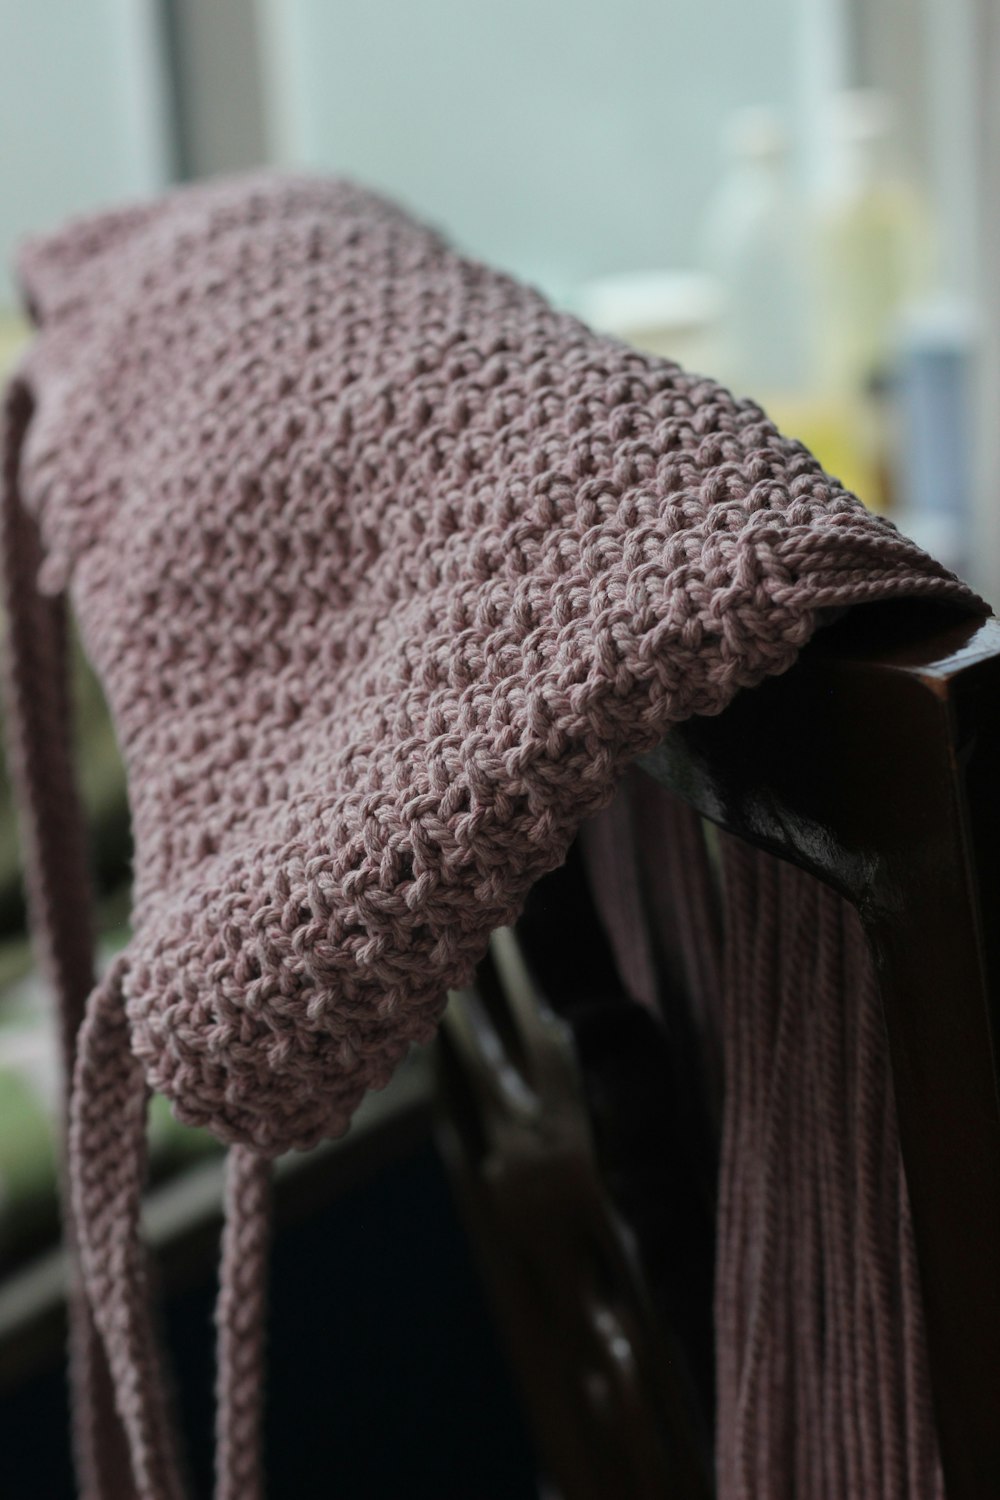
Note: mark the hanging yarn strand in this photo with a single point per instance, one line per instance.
(108, 1161)
(240, 1320)
(38, 732)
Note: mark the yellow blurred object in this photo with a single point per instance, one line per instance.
(874, 256)
(14, 334)
(840, 432)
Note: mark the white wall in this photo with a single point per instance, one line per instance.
(81, 112)
(559, 138)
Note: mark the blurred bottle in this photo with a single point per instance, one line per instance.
(760, 243)
(934, 401)
(874, 257)
(756, 244)
(875, 246)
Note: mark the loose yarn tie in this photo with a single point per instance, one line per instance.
(240, 1319)
(38, 732)
(108, 1161)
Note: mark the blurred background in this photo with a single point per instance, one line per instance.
(798, 197)
(794, 195)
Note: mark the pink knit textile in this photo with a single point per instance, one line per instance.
(388, 570)
(823, 1380)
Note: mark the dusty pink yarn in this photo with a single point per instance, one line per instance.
(388, 570)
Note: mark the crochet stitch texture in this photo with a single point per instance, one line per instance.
(388, 569)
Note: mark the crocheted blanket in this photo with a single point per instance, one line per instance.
(388, 570)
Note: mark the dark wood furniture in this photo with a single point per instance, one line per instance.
(875, 765)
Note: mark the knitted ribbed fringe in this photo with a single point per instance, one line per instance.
(823, 1388)
(124, 1447)
(823, 1383)
(652, 884)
